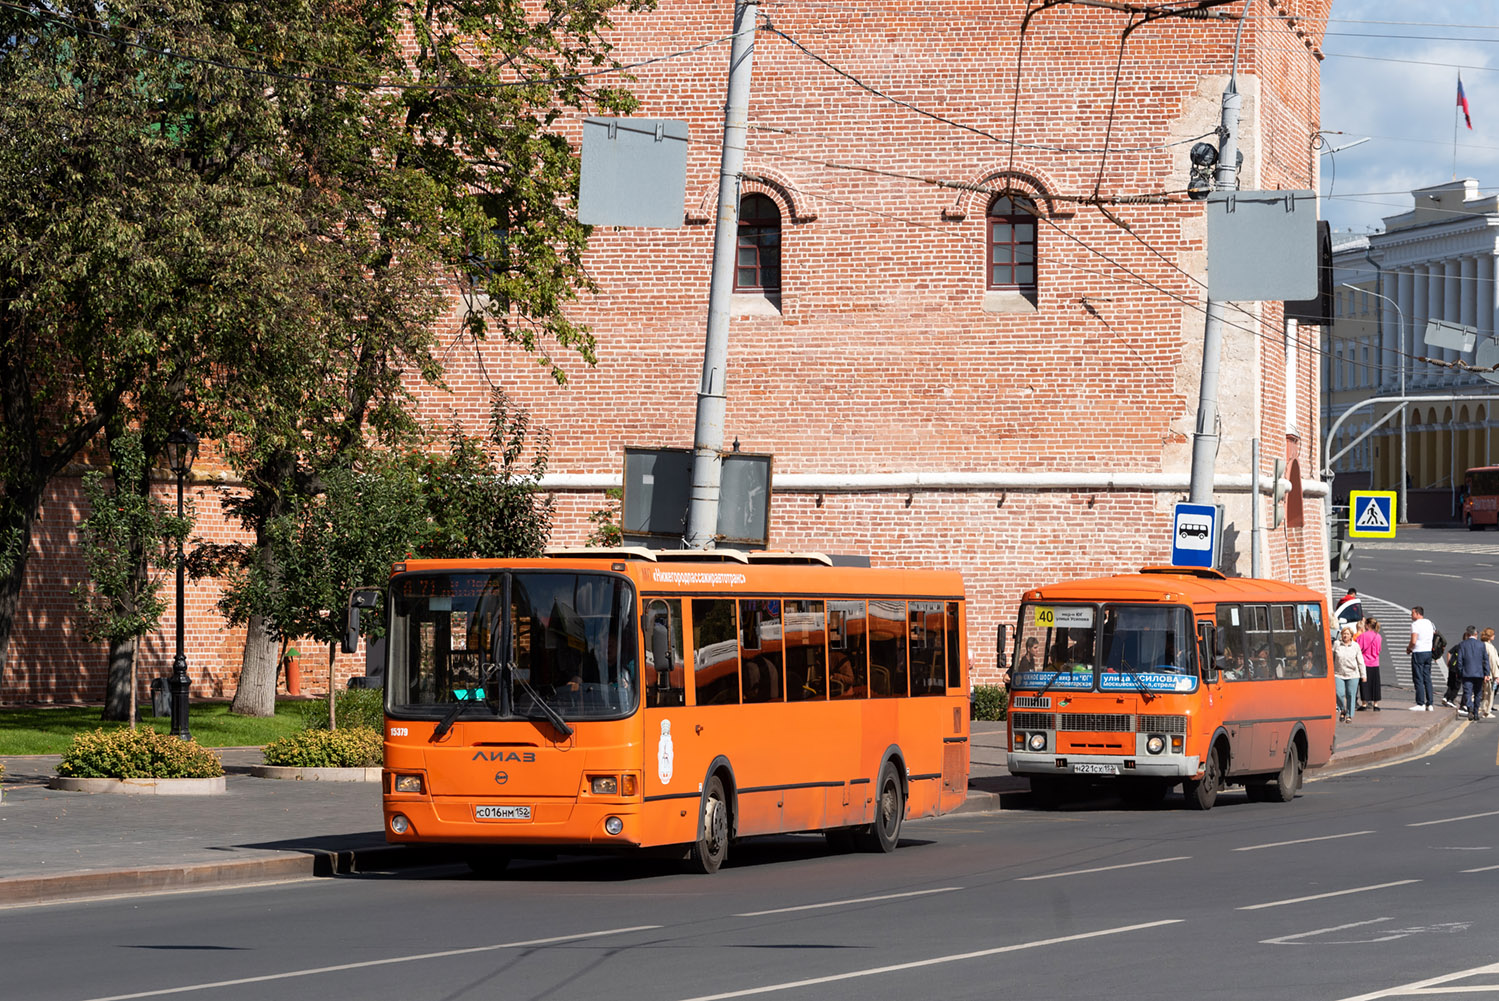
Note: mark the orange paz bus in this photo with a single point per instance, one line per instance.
(631, 698)
(1172, 675)
(1481, 497)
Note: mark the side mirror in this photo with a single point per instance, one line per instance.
(364, 597)
(1001, 661)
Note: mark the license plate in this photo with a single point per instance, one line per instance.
(1088, 768)
(502, 813)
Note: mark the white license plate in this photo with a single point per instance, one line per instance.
(502, 813)
(1088, 768)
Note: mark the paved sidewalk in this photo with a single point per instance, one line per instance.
(58, 845)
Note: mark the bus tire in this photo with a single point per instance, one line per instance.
(889, 811)
(1203, 793)
(489, 862)
(712, 845)
(1282, 789)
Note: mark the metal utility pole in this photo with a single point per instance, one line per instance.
(708, 432)
(1205, 440)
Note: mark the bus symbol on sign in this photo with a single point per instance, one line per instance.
(1194, 532)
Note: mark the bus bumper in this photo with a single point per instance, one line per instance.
(456, 820)
(1104, 766)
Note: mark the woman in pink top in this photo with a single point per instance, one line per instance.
(1370, 642)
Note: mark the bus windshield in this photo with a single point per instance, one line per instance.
(1112, 647)
(512, 645)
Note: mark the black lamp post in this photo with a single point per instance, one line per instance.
(182, 449)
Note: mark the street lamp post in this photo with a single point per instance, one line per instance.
(1400, 514)
(182, 449)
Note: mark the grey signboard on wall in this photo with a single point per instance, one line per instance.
(1262, 245)
(658, 489)
(634, 172)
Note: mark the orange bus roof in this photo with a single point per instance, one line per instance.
(1162, 584)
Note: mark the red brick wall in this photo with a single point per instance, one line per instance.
(883, 359)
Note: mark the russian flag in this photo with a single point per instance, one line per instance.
(1462, 102)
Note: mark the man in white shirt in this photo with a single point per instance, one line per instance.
(1422, 634)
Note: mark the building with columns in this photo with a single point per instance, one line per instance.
(1435, 262)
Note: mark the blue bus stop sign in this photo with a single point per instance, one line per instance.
(1194, 536)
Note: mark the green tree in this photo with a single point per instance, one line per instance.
(128, 540)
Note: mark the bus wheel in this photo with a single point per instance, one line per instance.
(1282, 789)
(713, 844)
(889, 810)
(489, 863)
(1203, 793)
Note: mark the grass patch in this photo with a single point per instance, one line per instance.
(38, 730)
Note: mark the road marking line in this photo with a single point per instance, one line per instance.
(934, 961)
(388, 961)
(1103, 868)
(1283, 939)
(1301, 841)
(1423, 986)
(844, 903)
(1451, 820)
(1324, 896)
(1486, 868)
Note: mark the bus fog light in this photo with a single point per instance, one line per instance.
(1155, 744)
(408, 783)
(399, 823)
(605, 785)
(613, 825)
(1037, 742)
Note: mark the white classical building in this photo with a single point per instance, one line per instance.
(1435, 262)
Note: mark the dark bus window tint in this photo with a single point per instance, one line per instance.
(664, 684)
(1233, 661)
(1313, 640)
(848, 653)
(926, 636)
(1257, 640)
(954, 648)
(1285, 660)
(715, 652)
(887, 649)
(760, 650)
(805, 625)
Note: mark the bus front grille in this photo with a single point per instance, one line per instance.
(1162, 724)
(1097, 722)
(1031, 702)
(1033, 721)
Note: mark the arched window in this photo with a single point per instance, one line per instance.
(1011, 264)
(757, 266)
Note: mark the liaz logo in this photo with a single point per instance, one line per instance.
(504, 756)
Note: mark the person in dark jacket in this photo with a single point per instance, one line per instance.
(1472, 664)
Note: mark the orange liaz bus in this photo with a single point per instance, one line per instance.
(628, 698)
(1481, 497)
(1172, 675)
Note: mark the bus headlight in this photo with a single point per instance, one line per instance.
(1155, 744)
(613, 825)
(1037, 742)
(399, 823)
(604, 785)
(407, 783)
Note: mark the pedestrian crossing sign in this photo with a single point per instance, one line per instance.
(1371, 514)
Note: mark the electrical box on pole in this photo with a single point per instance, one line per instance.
(1279, 494)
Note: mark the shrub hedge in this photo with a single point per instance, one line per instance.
(988, 702)
(142, 753)
(354, 706)
(346, 747)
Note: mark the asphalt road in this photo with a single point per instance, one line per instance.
(1451, 572)
(1367, 882)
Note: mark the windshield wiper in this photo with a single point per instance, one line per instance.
(552, 715)
(448, 719)
(1050, 681)
(1145, 693)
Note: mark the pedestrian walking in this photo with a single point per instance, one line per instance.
(1472, 664)
(1371, 644)
(1347, 669)
(1486, 704)
(1419, 647)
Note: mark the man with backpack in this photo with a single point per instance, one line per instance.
(1421, 648)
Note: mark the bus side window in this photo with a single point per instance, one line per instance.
(1257, 642)
(715, 651)
(1287, 657)
(954, 650)
(1231, 639)
(887, 649)
(662, 625)
(805, 630)
(760, 650)
(1313, 640)
(927, 635)
(848, 666)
